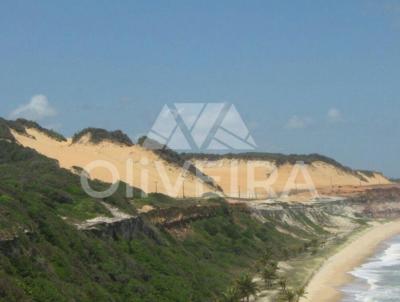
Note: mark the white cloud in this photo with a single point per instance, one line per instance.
(38, 108)
(297, 122)
(334, 115)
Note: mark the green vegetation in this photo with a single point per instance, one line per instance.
(20, 126)
(269, 270)
(291, 295)
(230, 295)
(161, 201)
(98, 135)
(5, 132)
(30, 124)
(246, 287)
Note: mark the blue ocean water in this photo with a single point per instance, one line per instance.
(378, 279)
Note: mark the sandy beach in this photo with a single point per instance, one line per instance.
(334, 272)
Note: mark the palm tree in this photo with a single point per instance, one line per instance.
(289, 295)
(268, 275)
(273, 265)
(300, 293)
(246, 287)
(283, 284)
(265, 258)
(230, 295)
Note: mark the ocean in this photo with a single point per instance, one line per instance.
(378, 279)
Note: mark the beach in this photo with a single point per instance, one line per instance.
(325, 284)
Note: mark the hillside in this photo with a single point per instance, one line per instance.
(146, 169)
(232, 172)
(184, 253)
(58, 244)
(161, 169)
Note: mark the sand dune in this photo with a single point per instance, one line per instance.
(145, 169)
(244, 178)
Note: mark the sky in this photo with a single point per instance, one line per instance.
(306, 76)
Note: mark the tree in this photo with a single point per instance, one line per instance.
(268, 275)
(246, 287)
(265, 258)
(300, 293)
(283, 284)
(273, 265)
(230, 295)
(289, 295)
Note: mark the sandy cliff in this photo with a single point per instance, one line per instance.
(134, 164)
(251, 175)
(245, 177)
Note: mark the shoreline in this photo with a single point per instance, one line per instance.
(334, 273)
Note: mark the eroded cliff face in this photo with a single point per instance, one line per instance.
(150, 223)
(139, 167)
(244, 178)
(297, 219)
(378, 203)
(176, 217)
(126, 229)
(330, 217)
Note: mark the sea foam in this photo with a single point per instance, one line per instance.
(378, 279)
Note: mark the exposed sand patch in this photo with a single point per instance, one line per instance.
(117, 214)
(235, 177)
(148, 171)
(146, 208)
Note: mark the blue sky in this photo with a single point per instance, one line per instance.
(307, 76)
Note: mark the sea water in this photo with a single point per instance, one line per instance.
(378, 279)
